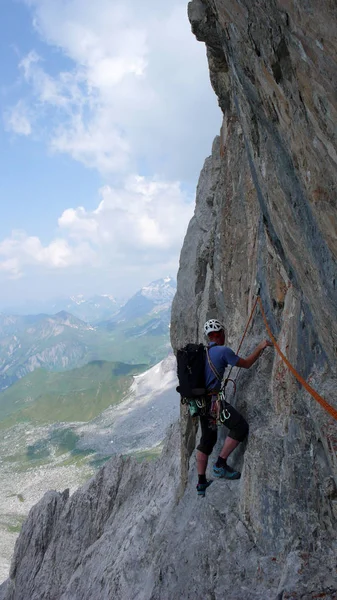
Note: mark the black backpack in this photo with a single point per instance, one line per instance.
(191, 375)
(191, 371)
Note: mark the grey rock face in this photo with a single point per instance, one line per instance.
(98, 543)
(265, 219)
(125, 535)
(267, 195)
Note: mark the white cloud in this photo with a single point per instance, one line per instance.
(138, 88)
(136, 226)
(132, 96)
(142, 216)
(21, 251)
(96, 144)
(17, 119)
(47, 89)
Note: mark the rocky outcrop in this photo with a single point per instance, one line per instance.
(265, 221)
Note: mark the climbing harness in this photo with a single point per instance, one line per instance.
(218, 410)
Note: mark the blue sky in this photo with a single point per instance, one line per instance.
(35, 186)
(107, 116)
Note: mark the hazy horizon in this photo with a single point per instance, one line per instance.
(40, 300)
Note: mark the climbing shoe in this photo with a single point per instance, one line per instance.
(226, 472)
(202, 487)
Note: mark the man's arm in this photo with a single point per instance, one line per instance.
(246, 363)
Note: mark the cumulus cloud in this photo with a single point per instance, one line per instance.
(96, 144)
(138, 225)
(21, 250)
(132, 96)
(144, 215)
(138, 87)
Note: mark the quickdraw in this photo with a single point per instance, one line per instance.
(224, 414)
(196, 406)
(201, 403)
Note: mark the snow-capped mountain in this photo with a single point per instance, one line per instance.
(77, 333)
(102, 307)
(160, 291)
(148, 301)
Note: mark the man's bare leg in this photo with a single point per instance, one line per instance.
(202, 460)
(228, 447)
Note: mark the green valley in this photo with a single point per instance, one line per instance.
(81, 394)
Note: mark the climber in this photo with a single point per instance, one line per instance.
(219, 357)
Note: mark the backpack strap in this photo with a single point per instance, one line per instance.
(212, 367)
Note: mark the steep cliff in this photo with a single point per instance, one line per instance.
(266, 216)
(265, 221)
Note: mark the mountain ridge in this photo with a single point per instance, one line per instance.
(90, 308)
(64, 341)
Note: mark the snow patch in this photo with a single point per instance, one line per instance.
(140, 421)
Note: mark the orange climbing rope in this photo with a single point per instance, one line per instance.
(330, 409)
(243, 337)
(248, 323)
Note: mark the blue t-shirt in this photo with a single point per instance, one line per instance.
(221, 356)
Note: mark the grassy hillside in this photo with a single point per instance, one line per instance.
(77, 395)
(63, 342)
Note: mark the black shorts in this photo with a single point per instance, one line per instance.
(237, 425)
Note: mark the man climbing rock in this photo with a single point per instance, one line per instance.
(218, 358)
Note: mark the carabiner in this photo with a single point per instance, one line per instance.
(224, 415)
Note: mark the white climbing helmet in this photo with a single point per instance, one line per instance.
(213, 325)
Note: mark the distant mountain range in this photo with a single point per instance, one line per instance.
(152, 300)
(98, 308)
(137, 332)
(89, 309)
(55, 342)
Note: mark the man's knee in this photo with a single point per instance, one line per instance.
(209, 434)
(207, 442)
(240, 431)
(206, 447)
